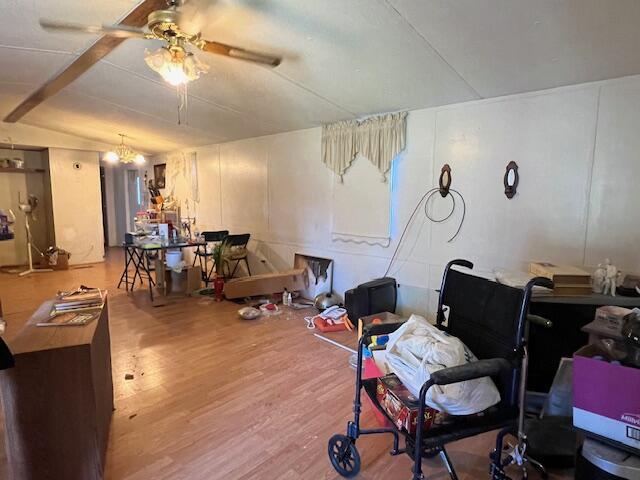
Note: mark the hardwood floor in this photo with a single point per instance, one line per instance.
(216, 397)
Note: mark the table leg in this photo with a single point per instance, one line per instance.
(137, 263)
(206, 271)
(146, 266)
(126, 269)
(125, 274)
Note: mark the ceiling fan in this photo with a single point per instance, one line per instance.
(162, 19)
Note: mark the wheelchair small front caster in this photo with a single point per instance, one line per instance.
(344, 455)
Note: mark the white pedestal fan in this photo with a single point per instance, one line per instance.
(28, 208)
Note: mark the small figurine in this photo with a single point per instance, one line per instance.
(611, 278)
(597, 283)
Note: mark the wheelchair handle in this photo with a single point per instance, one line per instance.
(541, 321)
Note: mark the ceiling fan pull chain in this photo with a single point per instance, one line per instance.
(183, 103)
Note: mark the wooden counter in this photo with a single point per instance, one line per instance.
(58, 400)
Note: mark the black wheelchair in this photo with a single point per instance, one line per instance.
(491, 319)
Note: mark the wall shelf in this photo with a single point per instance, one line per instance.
(21, 170)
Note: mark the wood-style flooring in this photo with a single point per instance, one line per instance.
(216, 397)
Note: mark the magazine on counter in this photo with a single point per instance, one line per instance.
(78, 307)
(66, 319)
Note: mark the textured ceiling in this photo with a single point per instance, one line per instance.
(342, 59)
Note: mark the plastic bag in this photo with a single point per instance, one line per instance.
(418, 348)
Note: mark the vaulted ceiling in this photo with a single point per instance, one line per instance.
(342, 59)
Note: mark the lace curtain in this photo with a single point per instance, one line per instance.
(182, 179)
(380, 139)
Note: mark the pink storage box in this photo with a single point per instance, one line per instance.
(606, 397)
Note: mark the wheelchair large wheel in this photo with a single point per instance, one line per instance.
(344, 455)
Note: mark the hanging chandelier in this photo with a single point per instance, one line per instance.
(124, 154)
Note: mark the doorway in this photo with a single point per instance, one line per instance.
(134, 197)
(103, 198)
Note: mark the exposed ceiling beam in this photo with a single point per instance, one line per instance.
(98, 50)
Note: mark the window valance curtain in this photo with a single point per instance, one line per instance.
(380, 139)
(339, 145)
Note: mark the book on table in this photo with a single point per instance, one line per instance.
(79, 299)
(71, 319)
(565, 275)
(76, 308)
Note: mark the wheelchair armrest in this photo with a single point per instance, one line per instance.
(469, 371)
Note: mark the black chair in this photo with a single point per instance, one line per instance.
(202, 255)
(238, 253)
(491, 319)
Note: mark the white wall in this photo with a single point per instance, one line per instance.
(579, 156)
(77, 211)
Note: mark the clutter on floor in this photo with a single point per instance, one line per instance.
(55, 258)
(320, 274)
(266, 284)
(333, 319)
(249, 313)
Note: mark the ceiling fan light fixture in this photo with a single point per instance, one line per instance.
(175, 65)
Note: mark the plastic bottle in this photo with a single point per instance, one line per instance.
(285, 297)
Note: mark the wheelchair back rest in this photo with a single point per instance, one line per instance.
(485, 315)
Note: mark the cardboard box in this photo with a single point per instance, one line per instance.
(608, 323)
(61, 264)
(267, 284)
(187, 281)
(606, 397)
(612, 316)
(401, 405)
(384, 317)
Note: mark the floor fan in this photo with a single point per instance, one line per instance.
(28, 208)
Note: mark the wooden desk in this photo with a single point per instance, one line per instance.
(58, 400)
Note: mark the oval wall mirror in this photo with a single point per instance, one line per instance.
(511, 179)
(445, 180)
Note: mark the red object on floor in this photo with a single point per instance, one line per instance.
(322, 325)
(371, 370)
(218, 287)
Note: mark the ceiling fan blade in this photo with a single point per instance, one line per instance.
(92, 55)
(119, 31)
(240, 53)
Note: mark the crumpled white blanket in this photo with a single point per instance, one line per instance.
(418, 348)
